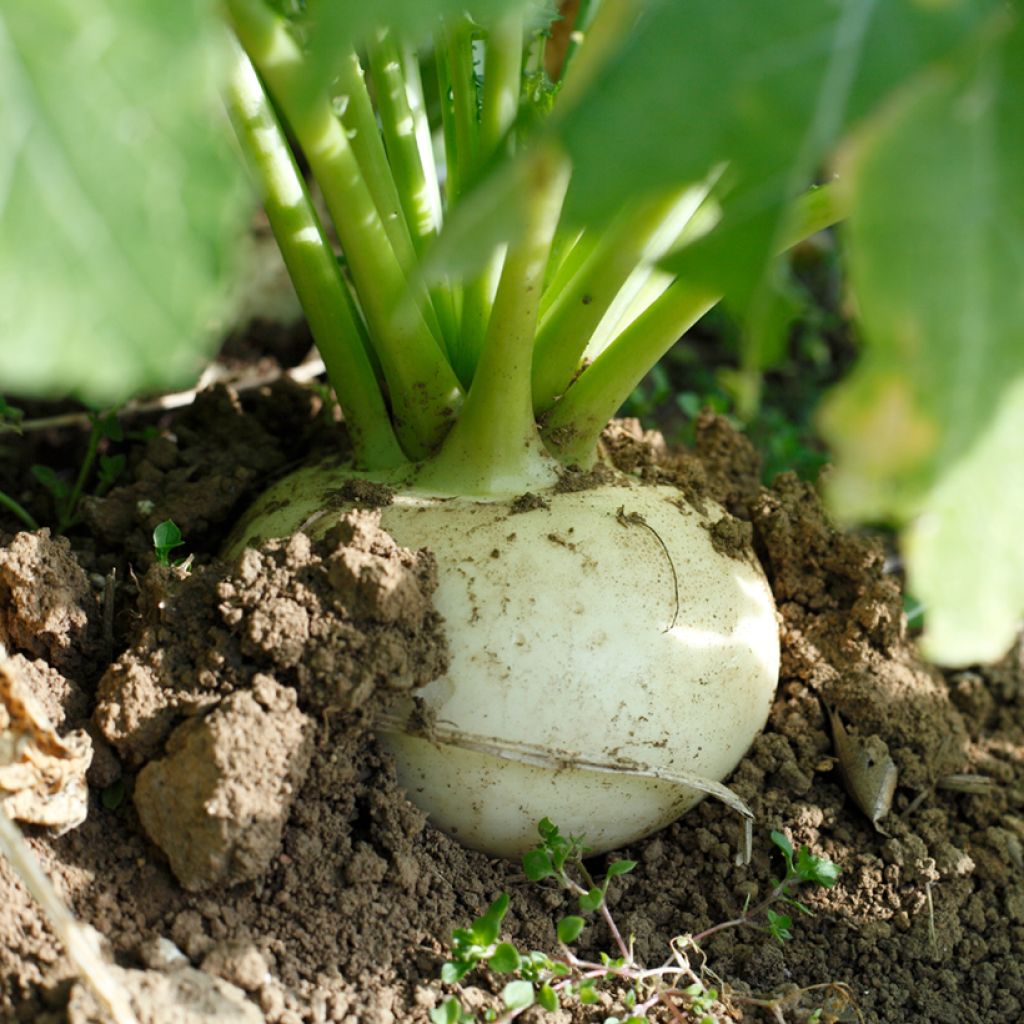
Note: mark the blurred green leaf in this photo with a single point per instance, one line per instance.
(569, 928)
(487, 925)
(537, 865)
(767, 92)
(335, 26)
(620, 867)
(120, 198)
(929, 429)
(547, 997)
(517, 995)
(505, 959)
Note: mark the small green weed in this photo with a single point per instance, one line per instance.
(66, 496)
(167, 537)
(677, 986)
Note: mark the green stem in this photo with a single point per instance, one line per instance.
(418, 191)
(459, 101)
(313, 269)
(410, 161)
(460, 78)
(575, 423)
(503, 58)
(581, 26)
(443, 294)
(606, 29)
(18, 510)
(494, 448)
(66, 511)
(566, 260)
(424, 391)
(584, 300)
(360, 122)
(573, 427)
(503, 72)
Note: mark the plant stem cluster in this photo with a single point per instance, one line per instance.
(676, 987)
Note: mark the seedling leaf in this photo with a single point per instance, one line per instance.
(537, 865)
(591, 900)
(816, 869)
(517, 995)
(779, 925)
(784, 845)
(505, 959)
(620, 867)
(569, 929)
(486, 927)
(166, 537)
(547, 997)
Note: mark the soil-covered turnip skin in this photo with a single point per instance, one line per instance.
(606, 624)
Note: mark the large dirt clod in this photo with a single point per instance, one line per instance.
(218, 802)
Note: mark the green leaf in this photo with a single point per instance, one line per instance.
(454, 971)
(587, 992)
(111, 467)
(547, 997)
(591, 900)
(766, 93)
(620, 867)
(486, 927)
(112, 796)
(121, 200)
(537, 865)
(335, 26)
(547, 829)
(569, 929)
(166, 537)
(927, 431)
(505, 959)
(816, 869)
(449, 1012)
(783, 844)
(49, 479)
(779, 925)
(517, 995)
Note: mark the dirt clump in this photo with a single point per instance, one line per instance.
(47, 607)
(218, 801)
(339, 620)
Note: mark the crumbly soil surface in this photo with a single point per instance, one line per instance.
(248, 855)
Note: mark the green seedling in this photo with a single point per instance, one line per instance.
(10, 417)
(10, 421)
(166, 537)
(66, 495)
(550, 982)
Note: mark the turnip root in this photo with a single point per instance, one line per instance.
(601, 626)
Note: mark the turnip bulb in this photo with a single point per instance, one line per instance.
(603, 626)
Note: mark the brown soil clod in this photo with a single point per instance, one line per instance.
(47, 607)
(218, 801)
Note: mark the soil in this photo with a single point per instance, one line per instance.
(248, 855)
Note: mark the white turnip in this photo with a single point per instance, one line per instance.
(598, 627)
